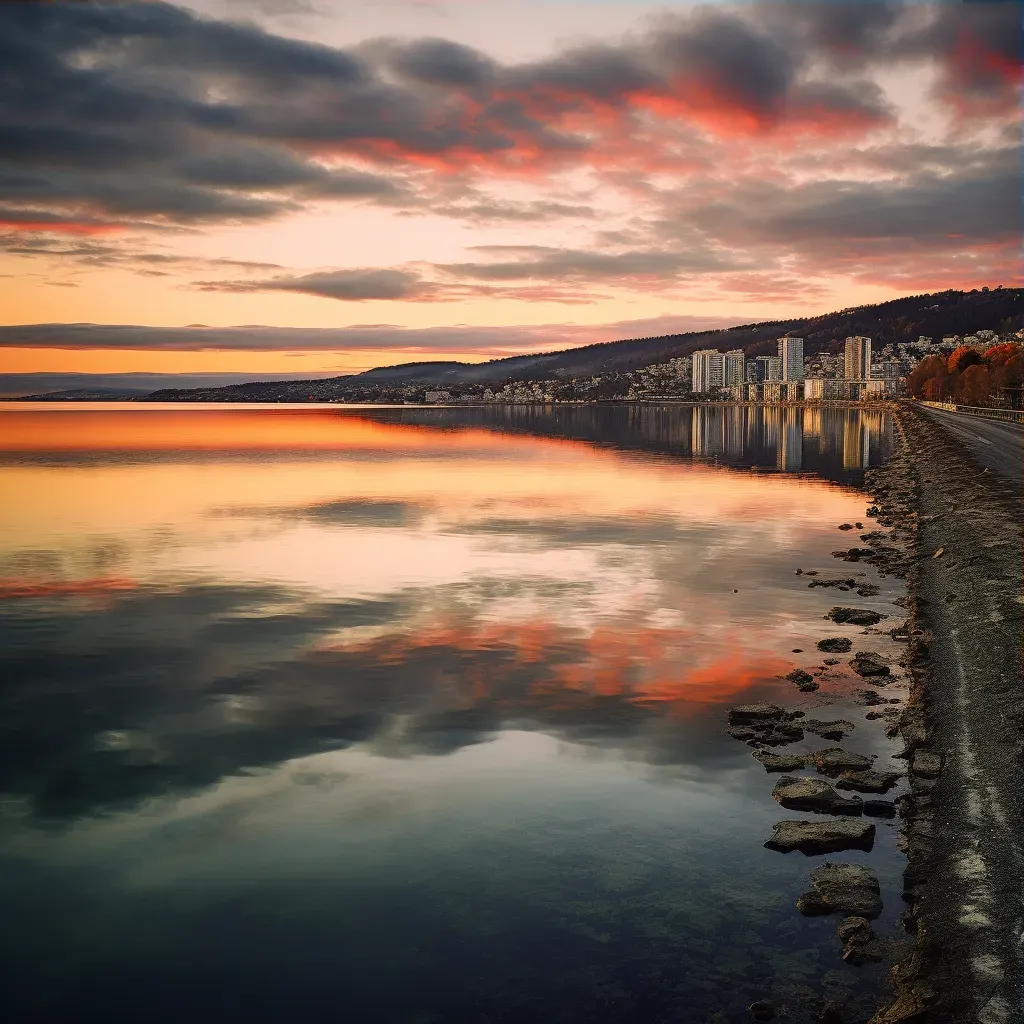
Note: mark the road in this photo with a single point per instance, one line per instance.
(997, 445)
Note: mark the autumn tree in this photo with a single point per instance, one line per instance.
(974, 385)
(929, 379)
(961, 358)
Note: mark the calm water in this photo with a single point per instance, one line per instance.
(415, 715)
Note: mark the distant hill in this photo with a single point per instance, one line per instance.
(899, 320)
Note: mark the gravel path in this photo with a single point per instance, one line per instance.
(964, 828)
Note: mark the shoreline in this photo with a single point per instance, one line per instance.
(960, 557)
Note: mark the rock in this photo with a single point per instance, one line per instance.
(846, 526)
(761, 1009)
(842, 889)
(834, 581)
(834, 761)
(831, 661)
(855, 616)
(836, 730)
(780, 734)
(798, 675)
(880, 808)
(742, 733)
(808, 687)
(867, 590)
(870, 698)
(854, 929)
(926, 764)
(835, 645)
(780, 762)
(868, 663)
(813, 795)
(868, 782)
(756, 713)
(813, 837)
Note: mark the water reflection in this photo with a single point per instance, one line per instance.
(413, 715)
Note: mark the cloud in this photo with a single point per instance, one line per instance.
(344, 285)
(504, 340)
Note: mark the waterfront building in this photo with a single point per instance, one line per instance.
(708, 370)
(767, 368)
(734, 367)
(791, 358)
(858, 358)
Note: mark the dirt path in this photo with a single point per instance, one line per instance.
(964, 884)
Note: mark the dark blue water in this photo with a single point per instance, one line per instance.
(416, 715)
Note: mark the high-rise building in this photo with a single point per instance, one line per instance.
(767, 368)
(791, 356)
(858, 358)
(708, 370)
(734, 361)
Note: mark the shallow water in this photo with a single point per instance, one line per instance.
(416, 715)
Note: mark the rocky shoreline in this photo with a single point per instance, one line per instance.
(952, 533)
(960, 554)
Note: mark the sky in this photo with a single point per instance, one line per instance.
(379, 181)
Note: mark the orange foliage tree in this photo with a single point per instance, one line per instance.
(929, 379)
(961, 358)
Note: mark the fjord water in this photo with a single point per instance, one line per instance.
(412, 715)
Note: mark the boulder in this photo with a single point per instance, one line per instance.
(868, 663)
(855, 616)
(835, 730)
(813, 795)
(756, 713)
(834, 761)
(835, 645)
(842, 889)
(829, 836)
(870, 698)
(868, 781)
(880, 808)
(780, 762)
(761, 1009)
(798, 675)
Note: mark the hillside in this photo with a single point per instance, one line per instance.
(900, 320)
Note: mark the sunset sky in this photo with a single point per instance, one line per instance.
(378, 181)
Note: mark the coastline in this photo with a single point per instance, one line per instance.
(958, 548)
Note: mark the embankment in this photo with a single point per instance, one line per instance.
(957, 539)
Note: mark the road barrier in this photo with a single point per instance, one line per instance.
(1009, 415)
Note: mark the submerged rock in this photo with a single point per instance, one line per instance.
(813, 837)
(868, 781)
(855, 616)
(834, 761)
(842, 889)
(780, 762)
(870, 698)
(835, 730)
(880, 808)
(761, 1009)
(835, 644)
(798, 675)
(868, 663)
(813, 795)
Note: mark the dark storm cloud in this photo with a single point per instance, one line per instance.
(147, 110)
(980, 204)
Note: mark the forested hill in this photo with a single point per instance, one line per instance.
(905, 319)
(902, 319)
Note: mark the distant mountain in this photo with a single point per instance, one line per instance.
(43, 386)
(898, 320)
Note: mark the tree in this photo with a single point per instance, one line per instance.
(961, 358)
(929, 379)
(974, 386)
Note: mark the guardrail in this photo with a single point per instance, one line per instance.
(1008, 415)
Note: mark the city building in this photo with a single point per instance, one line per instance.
(791, 358)
(708, 370)
(817, 389)
(767, 368)
(734, 367)
(858, 358)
